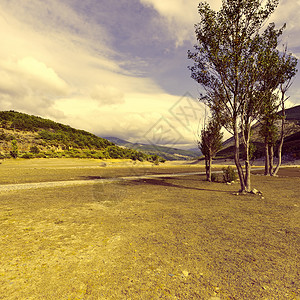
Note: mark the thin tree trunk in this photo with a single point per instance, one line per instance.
(271, 159)
(209, 168)
(206, 168)
(281, 140)
(247, 166)
(266, 157)
(237, 156)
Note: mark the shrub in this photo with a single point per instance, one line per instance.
(229, 174)
(34, 150)
(214, 177)
(27, 155)
(41, 155)
(14, 152)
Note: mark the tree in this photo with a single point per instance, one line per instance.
(14, 149)
(210, 142)
(229, 63)
(276, 80)
(34, 150)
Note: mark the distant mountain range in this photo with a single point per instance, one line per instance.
(165, 152)
(291, 146)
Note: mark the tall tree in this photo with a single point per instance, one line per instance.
(228, 64)
(210, 142)
(275, 81)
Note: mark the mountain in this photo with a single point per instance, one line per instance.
(291, 145)
(27, 136)
(164, 152)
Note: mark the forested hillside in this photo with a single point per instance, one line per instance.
(27, 136)
(291, 146)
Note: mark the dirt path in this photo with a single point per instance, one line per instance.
(26, 186)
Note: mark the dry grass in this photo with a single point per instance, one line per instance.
(43, 170)
(177, 238)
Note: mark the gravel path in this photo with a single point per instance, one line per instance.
(37, 185)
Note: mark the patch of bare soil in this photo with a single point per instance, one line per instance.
(170, 238)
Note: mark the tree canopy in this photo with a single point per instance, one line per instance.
(233, 61)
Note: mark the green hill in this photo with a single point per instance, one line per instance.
(291, 146)
(37, 137)
(167, 153)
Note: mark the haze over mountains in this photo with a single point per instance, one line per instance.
(168, 153)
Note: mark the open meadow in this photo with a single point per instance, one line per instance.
(156, 238)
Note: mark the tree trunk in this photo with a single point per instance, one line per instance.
(237, 156)
(247, 165)
(271, 159)
(281, 140)
(209, 168)
(266, 157)
(206, 168)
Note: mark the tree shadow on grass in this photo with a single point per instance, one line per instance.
(163, 182)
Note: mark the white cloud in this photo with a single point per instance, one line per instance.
(180, 16)
(107, 95)
(58, 63)
(45, 60)
(40, 77)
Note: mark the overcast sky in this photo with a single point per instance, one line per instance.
(114, 68)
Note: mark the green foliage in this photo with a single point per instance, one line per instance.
(14, 152)
(34, 150)
(229, 174)
(214, 177)
(52, 131)
(211, 139)
(252, 151)
(40, 155)
(74, 143)
(27, 155)
(237, 65)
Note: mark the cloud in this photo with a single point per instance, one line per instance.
(179, 16)
(135, 120)
(107, 95)
(40, 77)
(51, 53)
(111, 67)
(29, 85)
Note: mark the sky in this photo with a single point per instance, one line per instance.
(114, 68)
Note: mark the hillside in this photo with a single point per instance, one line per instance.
(291, 146)
(165, 152)
(27, 136)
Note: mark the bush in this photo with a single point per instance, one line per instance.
(41, 155)
(214, 177)
(34, 150)
(229, 174)
(14, 153)
(27, 155)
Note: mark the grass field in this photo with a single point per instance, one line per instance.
(170, 238)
